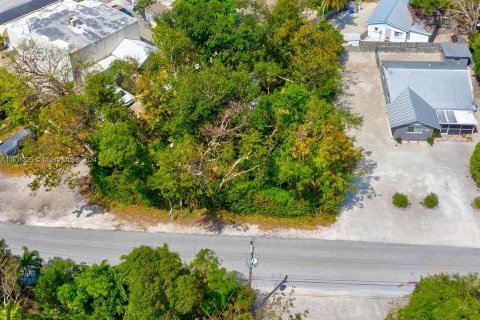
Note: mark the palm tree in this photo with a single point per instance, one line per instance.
(30, 264)
(337, 4)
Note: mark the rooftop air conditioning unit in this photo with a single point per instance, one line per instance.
(74, 22)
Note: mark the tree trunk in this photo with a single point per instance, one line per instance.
(170, 212)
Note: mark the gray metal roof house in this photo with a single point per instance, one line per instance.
(392, 21)
(392, 12)
(424, 96)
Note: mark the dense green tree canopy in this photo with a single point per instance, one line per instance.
(149, 283)
(238, 114)
(443, 297)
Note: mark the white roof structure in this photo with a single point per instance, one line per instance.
(351, 39)
(135, 49)
(95, 21)
(456, 117)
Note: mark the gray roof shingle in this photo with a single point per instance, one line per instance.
(456, 50)
(444, 86)
(408, 108)
(394, 13)
(441, 65)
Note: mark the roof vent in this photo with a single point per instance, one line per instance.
(74, 22)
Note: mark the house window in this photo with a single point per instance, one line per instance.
(376, 29)
(397, 34)
(414, 129)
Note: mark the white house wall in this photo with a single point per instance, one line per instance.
(382, 30)
(103, 48)
(418, 37)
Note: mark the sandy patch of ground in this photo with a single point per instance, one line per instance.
(325, 305)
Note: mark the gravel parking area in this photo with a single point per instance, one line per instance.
(354, 23)
(411, 168)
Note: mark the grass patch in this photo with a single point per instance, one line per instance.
(431, 201)
(10, 169)
(147, 216)
(400, 200)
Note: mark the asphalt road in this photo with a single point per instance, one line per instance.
(336, 267)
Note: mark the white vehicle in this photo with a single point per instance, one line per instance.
(126, 97)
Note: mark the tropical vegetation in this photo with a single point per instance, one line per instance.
(238, 115)
(149, 283)
(442, 297)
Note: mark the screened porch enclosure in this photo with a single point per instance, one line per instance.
(455, 122)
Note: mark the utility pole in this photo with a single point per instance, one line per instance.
(252, 264)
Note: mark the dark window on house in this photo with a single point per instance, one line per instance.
(414, 129)
(397, 34)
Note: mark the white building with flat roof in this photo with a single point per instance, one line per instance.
(87, 30)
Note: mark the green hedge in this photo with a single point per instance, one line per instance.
(475, 164)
